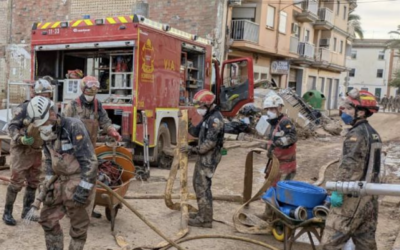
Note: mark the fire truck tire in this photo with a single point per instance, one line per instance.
(161, 159)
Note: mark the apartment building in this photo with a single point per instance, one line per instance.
(301, 44)
(371, 66)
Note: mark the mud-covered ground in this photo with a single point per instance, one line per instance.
(312, 154)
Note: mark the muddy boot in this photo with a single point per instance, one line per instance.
(192, 215)
(197, 222)
(96, 215)
(54, 242)
(76, 244)
(10, 199)
(29, 198)
(266, 215)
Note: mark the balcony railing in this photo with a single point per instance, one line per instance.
(294, 44)
(326, 14)
(350, 30)
(310, 6)
(323, 55)
(244, 30)
(306, 50)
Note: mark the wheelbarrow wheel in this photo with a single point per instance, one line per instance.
(278, 231)
(108, 213)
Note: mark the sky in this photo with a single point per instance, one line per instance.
(378, 17)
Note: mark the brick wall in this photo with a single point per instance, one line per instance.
(100, 8)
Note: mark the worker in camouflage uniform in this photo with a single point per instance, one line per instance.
(351, 216)
(390, 103)
(397, 103)
(282, 138)
(91, 112)
(71, 161)
(210, 132)
(384, 102)
(26, 156)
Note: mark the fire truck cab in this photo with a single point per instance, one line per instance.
(141, 65)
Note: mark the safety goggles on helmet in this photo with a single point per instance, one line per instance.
(91, 84)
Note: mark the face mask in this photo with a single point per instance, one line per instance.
(46, 133)
(347, 119)
(271, 115)
(89, 98)
(202, 112)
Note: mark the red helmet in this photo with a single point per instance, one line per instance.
(90, 85)
(362, 100)
(203, 98)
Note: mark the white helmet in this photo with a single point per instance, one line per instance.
(273, 101)
(42, 86)
(38, 110)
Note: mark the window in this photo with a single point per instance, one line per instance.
(366, 89)
(334, 44)
(307, 36)
(271, 17)
(344, 12)
(338, 8)
(353, 54)
(282, 22)
(244, 13)
(264, 76)
(352, 72)
(381, 55)
(379, 73)
(341, 47)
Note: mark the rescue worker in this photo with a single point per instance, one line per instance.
(390, 103)
(25, 156)
(351, 216)
(397, 103)
(384, 102)
(282, 138)
(91, 112)
(210, 132)
(70, 157)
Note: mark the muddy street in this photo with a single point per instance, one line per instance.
(312, 154)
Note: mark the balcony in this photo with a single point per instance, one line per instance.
(306, 50)
(325, 19)
(244, 30)
(309, 13)
(351, 31)
(294, 45)
(326, 59)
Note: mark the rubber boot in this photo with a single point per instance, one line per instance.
(10, 199)
(95, 214)
(54, 242)
(29, 198)
(198, 222)
(76, 244)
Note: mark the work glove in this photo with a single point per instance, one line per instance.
(186, 149)
(336, 199)
(28, 141)
(81, 196)
(112, 132)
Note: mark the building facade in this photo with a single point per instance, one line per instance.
(371, 66)
(312, 36)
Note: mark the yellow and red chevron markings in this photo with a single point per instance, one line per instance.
(85, 22)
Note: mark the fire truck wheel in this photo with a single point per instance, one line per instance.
(163, 146)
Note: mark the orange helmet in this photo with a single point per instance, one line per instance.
(203, 98)
(90, 85)
(363, 100)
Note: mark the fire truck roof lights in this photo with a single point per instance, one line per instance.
(121, 20)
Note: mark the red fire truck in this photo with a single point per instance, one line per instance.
(142, 65)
